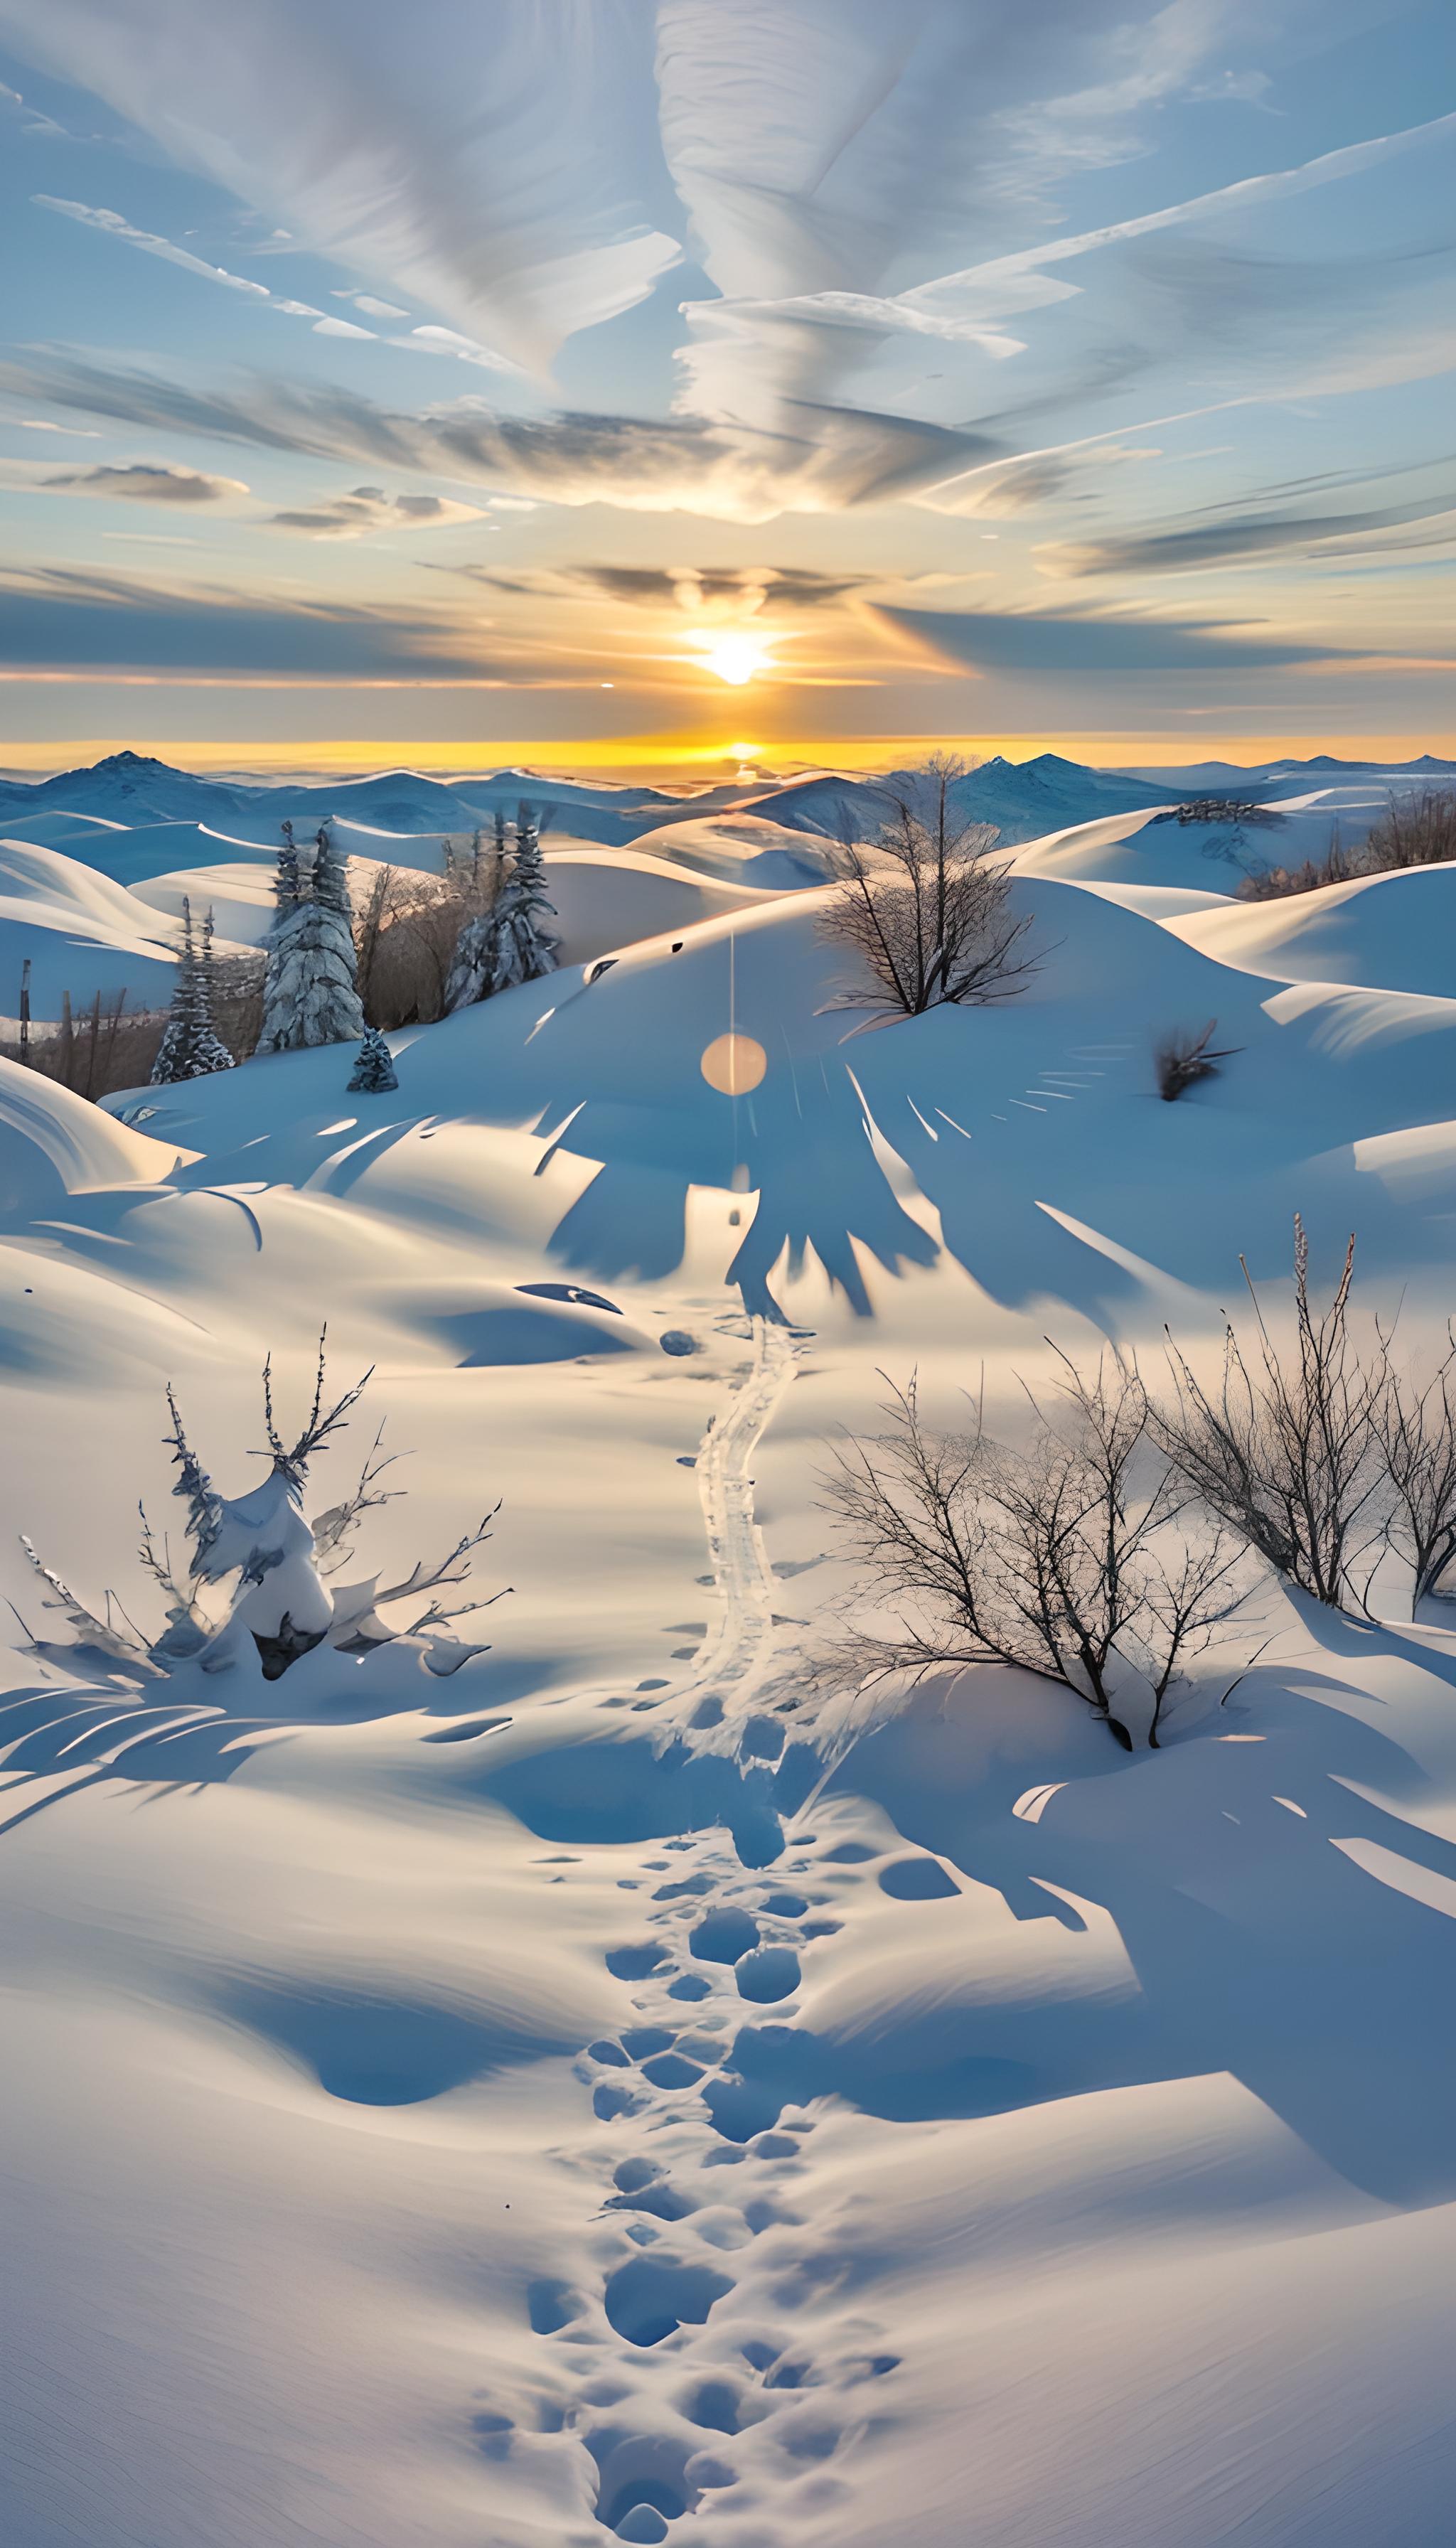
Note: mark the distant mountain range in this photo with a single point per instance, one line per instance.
(1025, 800)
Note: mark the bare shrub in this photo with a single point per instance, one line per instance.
(1415, 1433)
(1415, 831)
(923, 906)
(1181, 1058)
(1286, 1452)
(1340, 865)
(109, 1048)
(1222, 809)
(1064, 1556)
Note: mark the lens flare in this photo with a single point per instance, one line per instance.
(733, 1064)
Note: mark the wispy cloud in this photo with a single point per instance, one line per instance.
(667, 465)
(58, 618)
(1041, 642)
(474, 165)
(1250, 535)
(95, 217)
(145, 483)
(367, 509)
(703, 592)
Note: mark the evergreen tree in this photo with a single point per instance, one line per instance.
(191, 1047)
(512, 941)
(310, 993)
(286, 886)
(374, 1071)
(535, 949)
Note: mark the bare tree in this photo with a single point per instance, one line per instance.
(368, 923)
(1415, 1431)
(1182, 1058)
(1064, 1558)
(1285, 1451)
(924, 907)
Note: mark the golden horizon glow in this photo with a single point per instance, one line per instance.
(638, 755)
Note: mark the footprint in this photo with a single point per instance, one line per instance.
(767, 1973)
(786, 1906)
(634, 2173)
(551, 2305)
(742, 2109)
(716, 2406)
(641, 2483)
(672, 2070)
(634, 1963)
(648, 2298)
(492, 2433)
(723, 1937)
(640, 2041)
(662, 2200)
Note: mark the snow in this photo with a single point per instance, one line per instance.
(81, 932)
(622, 2087)
(1396, 931)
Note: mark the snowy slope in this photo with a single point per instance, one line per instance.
(79, 932)
(1396, 932)
(622, 2088)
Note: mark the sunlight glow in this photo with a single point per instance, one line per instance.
(735, 655)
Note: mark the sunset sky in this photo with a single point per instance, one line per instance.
(653, 383)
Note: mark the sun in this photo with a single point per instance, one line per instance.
(735, 657)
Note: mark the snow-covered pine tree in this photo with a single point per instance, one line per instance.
(512, 941)
(191, 1047)
(533, 947)
(471, 967)
(209, 1041)
(286, 885)
(311, 995)
(374, 1071)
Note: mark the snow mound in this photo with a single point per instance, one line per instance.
(53, 1143)
(764, 852)
(80, 933)
(1394, 933)
(238, 895)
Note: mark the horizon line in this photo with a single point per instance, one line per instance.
(641, 756)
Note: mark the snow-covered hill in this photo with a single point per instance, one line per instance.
(617, 2082)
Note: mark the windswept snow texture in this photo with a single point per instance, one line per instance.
(592, 2077)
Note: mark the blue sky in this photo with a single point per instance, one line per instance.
(812, 372)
